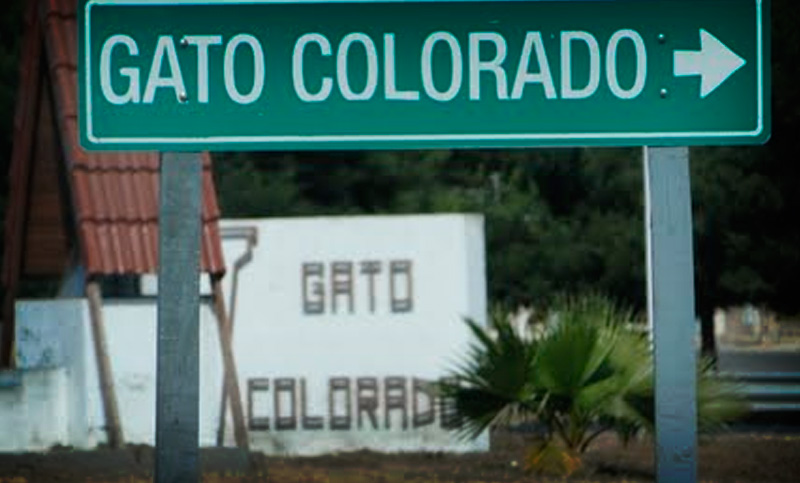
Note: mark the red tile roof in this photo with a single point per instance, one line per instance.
(115, 194)
(65, 202)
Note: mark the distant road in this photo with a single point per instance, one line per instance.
(757, 361)
(787, 421)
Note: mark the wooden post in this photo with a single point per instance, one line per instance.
(113, 425)
(230, 387)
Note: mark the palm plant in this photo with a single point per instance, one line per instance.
(589, 371)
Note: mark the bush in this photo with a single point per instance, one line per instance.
(588, 371)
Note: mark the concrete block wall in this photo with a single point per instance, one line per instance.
(34, 411)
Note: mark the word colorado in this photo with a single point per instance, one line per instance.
(126, 76)
(360, 403)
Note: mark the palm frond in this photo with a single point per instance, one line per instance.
(590, 370)
(493, 384)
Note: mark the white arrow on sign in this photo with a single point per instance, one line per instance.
(714, 63)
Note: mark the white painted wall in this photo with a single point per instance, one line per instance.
(35, 414)
(275, 338)
(131, 341)
(57, 334)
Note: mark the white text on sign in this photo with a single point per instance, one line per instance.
(483, 58)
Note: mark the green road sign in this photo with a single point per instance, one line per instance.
(422, 74)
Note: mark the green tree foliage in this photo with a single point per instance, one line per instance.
(745, 199)
(556, 219)
(572, 219)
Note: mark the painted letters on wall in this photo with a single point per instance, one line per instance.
(343, 324)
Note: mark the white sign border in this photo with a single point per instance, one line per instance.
(349, 138)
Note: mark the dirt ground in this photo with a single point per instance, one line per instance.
(734, 457)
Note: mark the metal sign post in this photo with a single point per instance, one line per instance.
(177, 359)
(670, 277)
